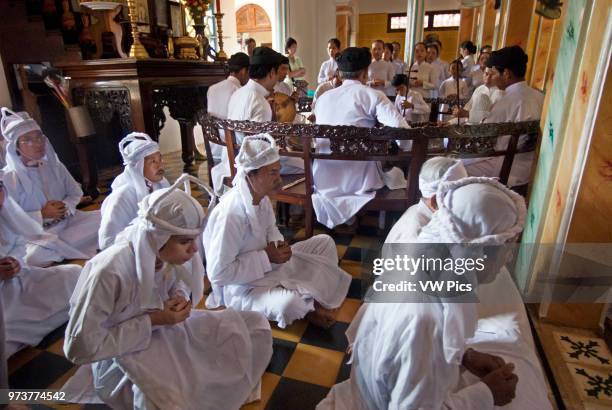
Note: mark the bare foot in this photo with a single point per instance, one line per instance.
(322, 317)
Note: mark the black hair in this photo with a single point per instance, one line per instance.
(458, 62)
(335, 41)
(259, 71)
(290, 42)
(483, 48)
(420, 43)
(250, 40)
(399, 79)
(434, 46)
(388, 46)
(379, 41)
(469, 46)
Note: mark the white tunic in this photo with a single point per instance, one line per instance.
(212, 360)
(78, 230)
(36, 299)
(443, 69)
(449, 87)
(321, 88)
(400, 66)
(118, 210)
(420, 106)
(493, 93)
(520, 103)
(327, 70)
(2, 153)
(342, 188)
(242, 276)
(476, 76)
(429, 75)
(408, 227)
(217, 99)
(385, 71)
(468, 63)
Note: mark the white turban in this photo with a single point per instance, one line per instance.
(437, 170)
(14, 125)
(475, 210)
(162, 214)
(134, 148)
(256, 151)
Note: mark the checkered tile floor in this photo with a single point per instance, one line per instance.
(306, 362)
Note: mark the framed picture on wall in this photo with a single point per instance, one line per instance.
(161, 12)
(177, 22)
(142, 12)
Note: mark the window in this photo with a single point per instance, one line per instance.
(442, 19)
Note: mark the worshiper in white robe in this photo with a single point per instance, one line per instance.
(219, 94)
(482, 100)
(143, 174)
(408, 102)
(424, 77)
(380, 72)
(448, 88)
(248, 263)
(435, 171)
(329, 67)
(400, 65)
(435, 354)
(478, 70)
(35, 300)
(131, 317)
(251, 103)
(443, 68)
(467, 49)
(342, 188)
(281, 86)
(520, 103)
(37, 180)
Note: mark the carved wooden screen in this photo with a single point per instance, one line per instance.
(251, 18)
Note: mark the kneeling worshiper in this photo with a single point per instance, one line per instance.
(249, 264)
(434, 354)
(407, 101)
(520, 103)
(143, 174)
(35, 299)
(342, 188)
(37, 180)
(131, 316)
(434, 171)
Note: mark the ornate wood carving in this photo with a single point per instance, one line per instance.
(104, 103)
(184, 103)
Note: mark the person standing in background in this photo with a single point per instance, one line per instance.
(329, 66)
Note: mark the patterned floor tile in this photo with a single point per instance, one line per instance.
(352, 267)
(292, 333)
(281, 353)
(348, 310)
(315, 365)
(269, 382)
(296, 395)
(345, 369)
(580, 349)
(333, 338)
(594, 384)
(355, 289)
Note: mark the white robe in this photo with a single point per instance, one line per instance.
(443, 69)
(449, 87)
(382, 70)
(118, 210)
(520, 103)
(476, 76)
(468, 64)
(217, 100)
(342, 188)
(36, 299)
(321, 88)
(327, 70)
(242, 276)
(78, 230)
(429, 75)
(2, 153)
(283, 88)
(249, 103)
(400, 66)
(408, 227)
(420, 106)
(493, 93)
(211, 360)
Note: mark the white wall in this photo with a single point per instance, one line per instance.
(399, 6)
(170, 135)
(5, 97)
(311, 23)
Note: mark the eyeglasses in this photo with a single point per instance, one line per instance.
(32, 141)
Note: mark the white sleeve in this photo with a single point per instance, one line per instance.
(474, 397)
(431, 82)
(89, 338)
(117, 213)
(420, 106)
(72, 188)
(322, 77)
(225, 264)
(387, 114)
(260, 113)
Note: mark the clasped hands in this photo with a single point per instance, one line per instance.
(494, 372)
(279, 252)
(176, 310)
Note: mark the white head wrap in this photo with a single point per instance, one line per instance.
(134, 148)
(162, 214)
(14, 125)
(437, 170)
(256, 151)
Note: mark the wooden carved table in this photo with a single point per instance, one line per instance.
(133, 93)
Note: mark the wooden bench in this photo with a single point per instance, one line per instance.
(373, 144)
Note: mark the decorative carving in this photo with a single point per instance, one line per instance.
(104, 103)
(304, 104)
(184, 103)
(452, 102)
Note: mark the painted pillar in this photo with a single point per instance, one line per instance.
(414, 29)
(280, 35)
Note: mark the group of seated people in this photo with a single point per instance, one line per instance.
(131, 310)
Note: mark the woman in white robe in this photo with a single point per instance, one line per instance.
(35, 300)
(43, 187)
(408, 356)
(131, 318)
(249, 265)
(143, 174)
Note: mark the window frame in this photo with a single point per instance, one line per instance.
(427, 21)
